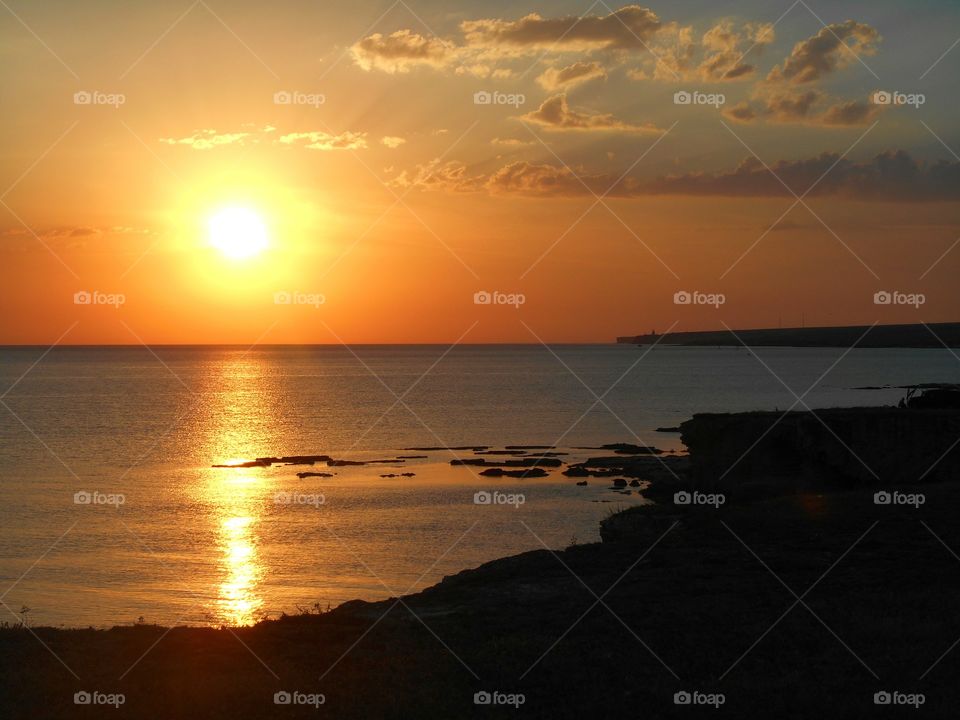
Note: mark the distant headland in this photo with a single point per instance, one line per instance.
(934, 335)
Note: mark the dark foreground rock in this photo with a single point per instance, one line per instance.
(762, 454)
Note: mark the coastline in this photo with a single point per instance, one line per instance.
(685, 585)
(675, 598)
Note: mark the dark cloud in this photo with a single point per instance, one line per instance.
(834, 47)
(853, 112)
(629, 27)
(525, 178)
(892, 176)
(808, 107)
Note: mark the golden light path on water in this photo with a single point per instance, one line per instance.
(238, 600)
(234, 497)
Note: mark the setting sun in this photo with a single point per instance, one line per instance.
(238, 232)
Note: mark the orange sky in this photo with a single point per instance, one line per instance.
(584, 187)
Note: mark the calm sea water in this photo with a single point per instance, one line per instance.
(196, 544)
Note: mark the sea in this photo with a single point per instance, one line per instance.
(112, 512)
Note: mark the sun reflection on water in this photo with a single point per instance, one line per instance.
(239, 601)
(240, 416)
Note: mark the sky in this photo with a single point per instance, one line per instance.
(439, 172)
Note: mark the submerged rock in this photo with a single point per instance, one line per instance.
(534, 472)
(519, 462)
(455, 447)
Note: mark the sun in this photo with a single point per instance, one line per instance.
(238, 232)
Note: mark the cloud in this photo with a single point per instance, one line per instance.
(571, 75)
(629, 27)
(555, 114)
(727, 47)
(678, 54)
(208, 139)
(484, 70)
(851, 112)
(392, 142)
(525, 178)
(451, 176)
(80, 233)
(318, 140)
(807, 107)
(400, 51)
(831, 49)
(892, 176)
(487, 41)
(510, 142)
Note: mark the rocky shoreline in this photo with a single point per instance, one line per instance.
(664, 605)
(754, 600)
